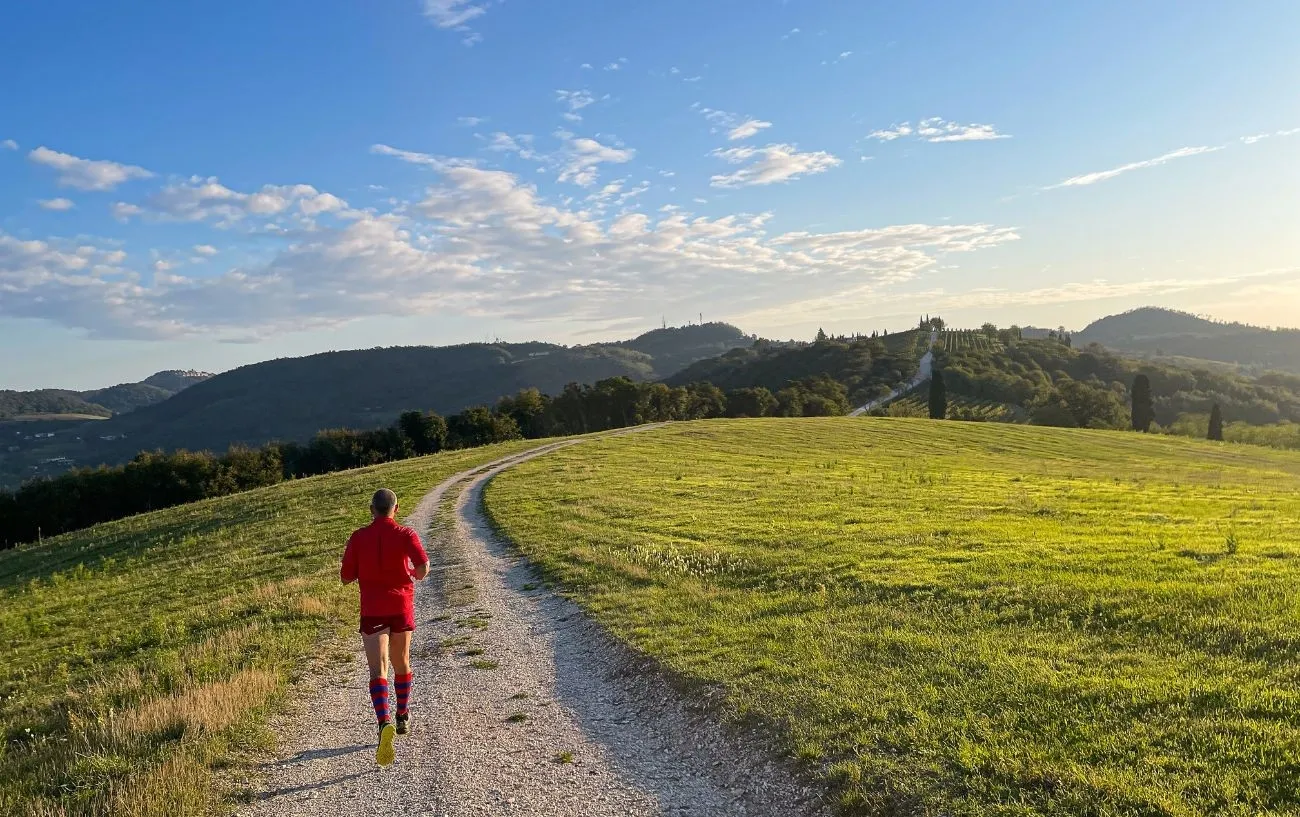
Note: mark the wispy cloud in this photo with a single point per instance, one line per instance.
(1103, 175)
(9, 144)
(737, 127)
(470, 121)
(748, 128)
(616, 65)
(770, 165)
(792, 32)
(937, 129)
(205, 249)
(57, 204)
(452, 13)
(583, 157)
(575, 100)
(87, 174)
(481, 243)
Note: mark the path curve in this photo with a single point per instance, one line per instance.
(637, 748)
(924, 371)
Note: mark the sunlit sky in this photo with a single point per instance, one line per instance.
(204, 187)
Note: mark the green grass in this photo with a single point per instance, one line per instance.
(142, 655)
(955, 618)
(1273, 435)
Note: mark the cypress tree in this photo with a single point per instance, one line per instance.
(938, 397)
(1216, 424)
(1144, 412)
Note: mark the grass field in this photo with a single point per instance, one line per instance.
(143, 655)
(955, 618)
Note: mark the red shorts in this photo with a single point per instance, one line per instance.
(404, 623)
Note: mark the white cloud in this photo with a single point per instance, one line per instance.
(790, 34)
(575, 100)
(937, 129)
(9, 144)
(747, 129)
(411, 157)
(586, 66)
(87, 174)
(521, 145)
(470, 121)
(452, 13)
(736, 126)
(570, 116)
(480, 242)
(770, 165)
(617, 65)
(582, 159)
(1103, 175)
(123, 211)
(57, 204)
(472, 39)
(205, 249)
(198, 199)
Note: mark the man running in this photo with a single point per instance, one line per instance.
(384, 558)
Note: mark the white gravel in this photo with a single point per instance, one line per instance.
(638, 748)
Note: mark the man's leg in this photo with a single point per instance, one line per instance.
(399, 650)
(376, 645)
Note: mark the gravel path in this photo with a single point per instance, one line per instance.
(549, 686)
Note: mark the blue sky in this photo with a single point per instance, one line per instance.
(203, 190)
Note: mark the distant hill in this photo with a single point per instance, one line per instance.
(118, 399)
(1164, 333)
(674, 349)
(175, 380)
(47, 401)
(293, 398)
(866, 367)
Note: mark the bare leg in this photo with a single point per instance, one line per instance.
(399, 652)
(377, 653)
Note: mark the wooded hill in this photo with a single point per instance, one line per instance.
(293, 398)
(1165, 333)
(119, 399)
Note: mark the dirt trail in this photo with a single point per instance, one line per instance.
(489, 740)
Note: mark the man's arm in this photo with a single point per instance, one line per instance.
(419, 559)
(348, 569)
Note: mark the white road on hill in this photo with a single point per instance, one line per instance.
(923, 373)
(488, 740)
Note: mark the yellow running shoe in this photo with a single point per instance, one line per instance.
(385, 754)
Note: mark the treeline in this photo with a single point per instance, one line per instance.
(1090, 387)
(154, 480)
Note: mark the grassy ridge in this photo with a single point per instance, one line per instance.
(142, 654)
(956, 618)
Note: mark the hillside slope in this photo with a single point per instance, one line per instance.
(293, 398)
(948, 618)
(1164, 332)
(141, 655)
(118, 399)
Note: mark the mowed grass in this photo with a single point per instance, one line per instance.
(955, 618)
(142, 655)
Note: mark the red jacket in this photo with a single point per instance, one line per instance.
(381, 556)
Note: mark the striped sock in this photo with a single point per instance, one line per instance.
(402, 686)
(379, 697)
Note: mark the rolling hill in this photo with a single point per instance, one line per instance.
(1154, 332)
(293, 398)
(119, 399)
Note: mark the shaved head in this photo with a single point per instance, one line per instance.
(383, 503)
